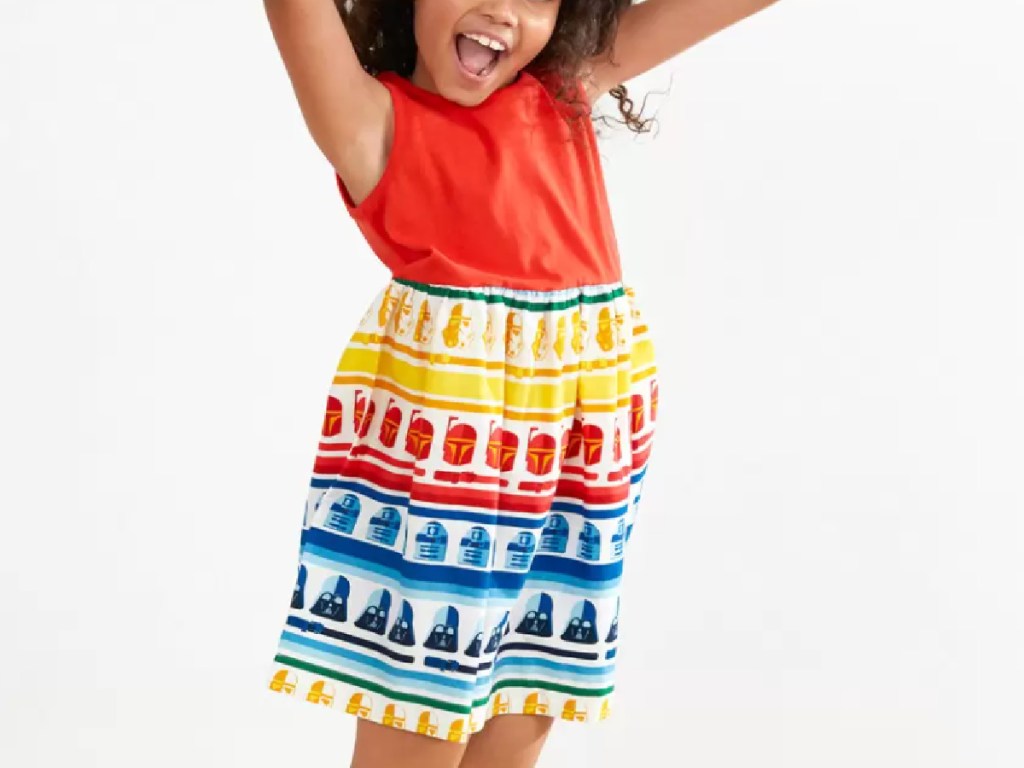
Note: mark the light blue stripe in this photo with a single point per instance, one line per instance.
(540, 664)
(382, 672)
(413, 681)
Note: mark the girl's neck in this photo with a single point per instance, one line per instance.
(422, 79)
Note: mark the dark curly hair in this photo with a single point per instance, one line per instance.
(382, 35)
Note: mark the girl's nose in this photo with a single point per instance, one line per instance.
(499, 12)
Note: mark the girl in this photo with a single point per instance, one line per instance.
(489, 427)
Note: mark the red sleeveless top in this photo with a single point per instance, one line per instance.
(501, 194)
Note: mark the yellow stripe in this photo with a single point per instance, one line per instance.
(643, 354)
(486, 389)
(645, 373)
(452, 406)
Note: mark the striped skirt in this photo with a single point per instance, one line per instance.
(476, 483)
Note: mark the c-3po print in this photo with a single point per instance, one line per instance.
(579, 332)
(457, 333)
(540, 340)
(424, 324)
(605, 331)
(559, 343)
(402, 317)
(489, 336)
(513, 334)
(387, 305)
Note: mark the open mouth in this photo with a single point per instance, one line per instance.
(477, 58)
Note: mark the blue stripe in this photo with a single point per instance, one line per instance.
(571, 586)
(376, 575)
(594, 573)
(367, 666)
(591, 513)
(364, 490)
(392, 563)
(422, 510)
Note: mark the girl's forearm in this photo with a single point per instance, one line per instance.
(655, 31)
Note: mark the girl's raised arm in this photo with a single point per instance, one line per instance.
(655, 31)
(348, 112)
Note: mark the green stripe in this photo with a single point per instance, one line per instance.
(515, 303)
(370, 686)
(554, 687)
(436, 703)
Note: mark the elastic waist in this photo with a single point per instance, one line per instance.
(525, 298)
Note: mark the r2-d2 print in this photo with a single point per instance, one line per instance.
(432, 542)
(590, 543)
(475, 547)
(555, 536)
(384, 526)
(343, 514)
(619, 538)
(520, 551)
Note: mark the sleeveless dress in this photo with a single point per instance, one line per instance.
(485, 438)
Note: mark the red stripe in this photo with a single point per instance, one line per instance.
(334, 447)
(480, 498)
(358, 469)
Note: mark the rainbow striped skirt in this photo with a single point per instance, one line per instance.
(476, 483)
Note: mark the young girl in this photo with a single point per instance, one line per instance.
(489, 427)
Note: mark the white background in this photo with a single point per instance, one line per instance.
(826, 236)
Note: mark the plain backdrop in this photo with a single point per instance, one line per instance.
(825, 234)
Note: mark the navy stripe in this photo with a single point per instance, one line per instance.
(595, 572)
(318, 628)
(545, 649)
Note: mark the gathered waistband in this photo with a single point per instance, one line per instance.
(586, 294)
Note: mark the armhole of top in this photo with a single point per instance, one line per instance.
(379, 189)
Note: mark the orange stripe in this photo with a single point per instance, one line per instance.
(473, 362)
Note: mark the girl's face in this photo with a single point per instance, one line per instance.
(509, 35)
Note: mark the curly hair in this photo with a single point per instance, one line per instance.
(382, 34)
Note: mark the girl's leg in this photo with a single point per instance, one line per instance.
(378, 746)
(507, 741)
